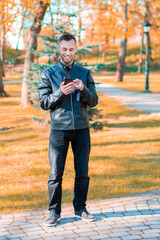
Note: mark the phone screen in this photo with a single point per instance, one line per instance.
(67, 80)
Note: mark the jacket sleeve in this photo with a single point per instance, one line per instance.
(48, 99)
(89, 92)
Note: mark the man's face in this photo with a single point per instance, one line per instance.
(67, 51)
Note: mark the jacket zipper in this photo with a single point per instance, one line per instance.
(71, 99)
(72, 110)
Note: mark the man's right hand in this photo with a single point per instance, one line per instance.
(67, 89)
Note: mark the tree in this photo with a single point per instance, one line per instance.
(122, 51)
(2, 91)
(143, 11)
(7, 17)
(32, 45)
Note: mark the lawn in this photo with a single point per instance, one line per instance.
(135, 83)
(124, 158)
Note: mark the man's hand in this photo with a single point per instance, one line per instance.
(68, 88)
(78, 84)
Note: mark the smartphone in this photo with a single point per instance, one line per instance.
(67, 80)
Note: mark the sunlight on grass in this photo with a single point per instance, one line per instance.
(136, 83)
(124, 155)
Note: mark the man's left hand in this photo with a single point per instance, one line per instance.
(78, 84)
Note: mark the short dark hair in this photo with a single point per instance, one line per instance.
(66, 37)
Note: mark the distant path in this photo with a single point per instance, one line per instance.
(148, 102)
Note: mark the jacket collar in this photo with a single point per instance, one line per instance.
(65, 67)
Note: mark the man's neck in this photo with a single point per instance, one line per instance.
(67, 64)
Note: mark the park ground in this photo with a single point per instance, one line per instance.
(124, 158)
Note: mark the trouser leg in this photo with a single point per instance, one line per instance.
(81, 150)
(58, 147)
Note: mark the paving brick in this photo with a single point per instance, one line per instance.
(135, 232)
(87, 225)
(151, 238)
(82, 230)
(63, 233)
(16, 231)
(152, 231)
(104, 231)
(119, 234)
(107, 222)
(3, 229)
(99, 237)
(107, 210)
(54, 238)
(4, 225)
(47, 235)
(7, 216)
(33, 233)
(69, 236)
(151, 235)
(118, 229)
(113, 238)
(4, 233)
(70, 227)
(87, 234)
(49, 229)
(32, 229)
(20, 214)
(100, 228)
(154, 226)
(141, 227)
(133, 237)
(12, 227)
(13, 237)
(82, 238)
(32, 238)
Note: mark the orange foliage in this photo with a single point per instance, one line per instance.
(107, 20)
(7, 13)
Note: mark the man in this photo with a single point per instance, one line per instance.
(69, 123)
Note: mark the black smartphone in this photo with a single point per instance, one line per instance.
(67, 80)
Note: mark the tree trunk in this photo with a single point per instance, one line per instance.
(122, 53)
(2, 36)
(2, 92)
(141, 54)
(2, 48)
(121, 64)
(32, 45)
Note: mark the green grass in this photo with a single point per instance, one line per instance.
(109, 64)
(123, 160)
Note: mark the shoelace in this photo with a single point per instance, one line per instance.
(52, 214)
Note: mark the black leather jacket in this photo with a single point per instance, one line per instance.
(67, 111)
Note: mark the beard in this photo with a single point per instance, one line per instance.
(66, 61)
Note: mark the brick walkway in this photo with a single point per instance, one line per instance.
(131, 217)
